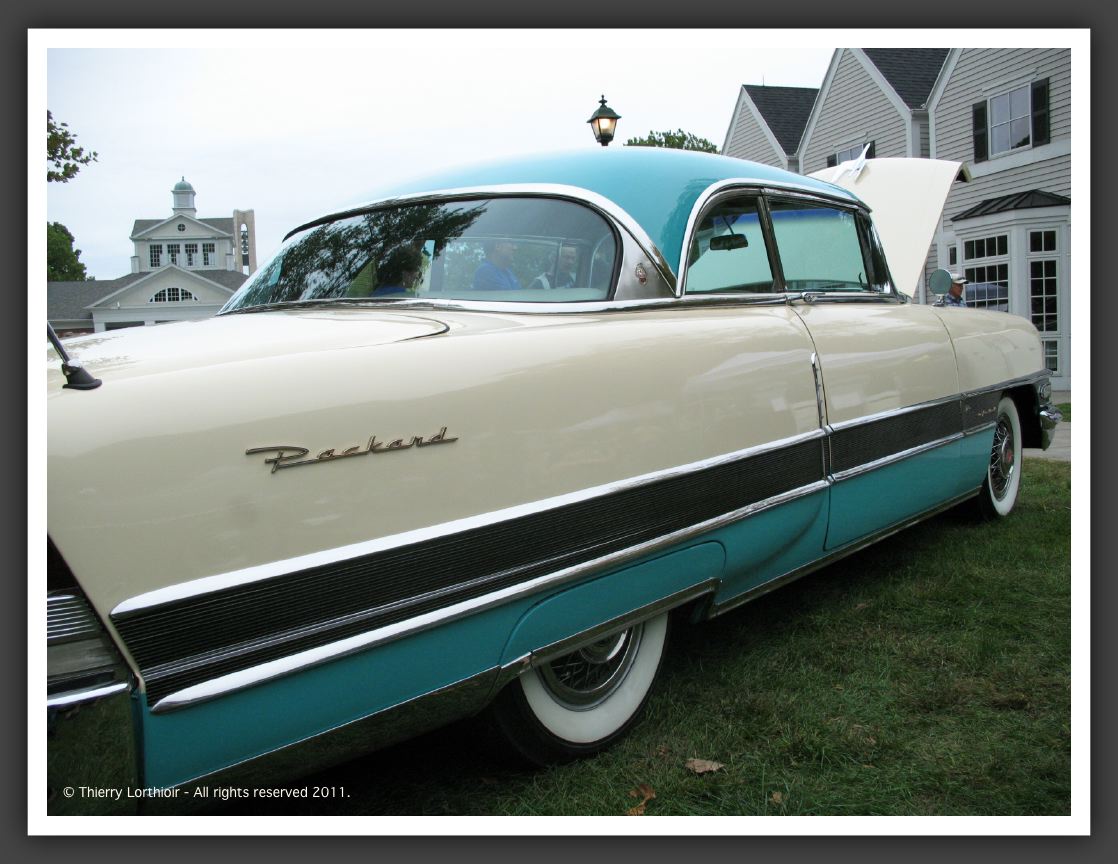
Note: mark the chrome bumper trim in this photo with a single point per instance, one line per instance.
(76, 697)
(245, 678)
(1049, 417)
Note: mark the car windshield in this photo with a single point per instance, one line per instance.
(536, 250)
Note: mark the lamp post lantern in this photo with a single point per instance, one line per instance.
(604, 122)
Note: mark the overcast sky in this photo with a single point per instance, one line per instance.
(295, 124)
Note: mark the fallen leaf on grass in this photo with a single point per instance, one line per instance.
(702, 766)
(646, 793)
(778, 798)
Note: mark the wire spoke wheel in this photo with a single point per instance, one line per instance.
(1002, 459)
(586, 677)
(1003, 472)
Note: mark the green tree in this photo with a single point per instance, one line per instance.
(62, 258)
(63, 152)
(678, 140)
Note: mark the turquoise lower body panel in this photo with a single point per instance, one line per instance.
(866, 503)
(194, 741)
(772, 543)
(591, 603)
(974, 459)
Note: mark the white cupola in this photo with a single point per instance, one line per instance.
(183, 195)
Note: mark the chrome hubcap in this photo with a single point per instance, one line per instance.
(1002, 458)
(586, 677)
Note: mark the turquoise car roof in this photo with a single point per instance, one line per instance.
(656, 186)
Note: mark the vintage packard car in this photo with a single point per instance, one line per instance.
(466, 446)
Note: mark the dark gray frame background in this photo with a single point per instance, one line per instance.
(627, 15)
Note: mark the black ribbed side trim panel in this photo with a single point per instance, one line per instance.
(868, 442)
(980, 409)
(189, 641)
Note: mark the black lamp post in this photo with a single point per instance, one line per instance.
(604, 122)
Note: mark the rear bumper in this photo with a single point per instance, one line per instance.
(1049, 417)
(91, 752)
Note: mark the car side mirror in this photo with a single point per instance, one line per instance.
(728, 241)
(939, 282)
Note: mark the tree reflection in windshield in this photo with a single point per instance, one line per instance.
(438, 250)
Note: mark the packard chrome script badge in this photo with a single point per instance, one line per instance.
(289, 456)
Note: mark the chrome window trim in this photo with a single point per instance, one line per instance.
(581, 307)
(612, 212)
(723, 189)
(260, 572)
(272, 669)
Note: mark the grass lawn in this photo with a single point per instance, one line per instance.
(929, 674)
(1065, 409)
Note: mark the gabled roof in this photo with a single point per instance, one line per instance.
(785, 110)
(224, 225)
(1016, 201)
(227, 280)
(911, 72)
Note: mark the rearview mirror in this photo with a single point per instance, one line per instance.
(939, 282)
(728, 241)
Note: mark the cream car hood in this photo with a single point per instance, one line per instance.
(907, 198)
(138, 351)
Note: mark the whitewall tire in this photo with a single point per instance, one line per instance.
(577, 704)
(1003, 474)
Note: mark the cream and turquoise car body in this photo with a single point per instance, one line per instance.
(561, 471)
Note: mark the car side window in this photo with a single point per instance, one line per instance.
(819, 247)
(728, 253)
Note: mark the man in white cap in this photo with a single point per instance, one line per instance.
(954, 295)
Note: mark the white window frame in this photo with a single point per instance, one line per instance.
(996, 260)
(184, 296)
(1028, 117)
(1047, 337)
(155, 254)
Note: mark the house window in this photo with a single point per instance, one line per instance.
(181, 227)
(191, 250)
(173, 294)
(952, 255)
(1010, 121)
(173, 253)
(208, 254)
(988, 277)
(156, 253)
(851, 152)
(1044, 294)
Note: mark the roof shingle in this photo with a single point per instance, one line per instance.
(912, 72)
(785, 110)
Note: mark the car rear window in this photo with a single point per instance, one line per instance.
(532, 250)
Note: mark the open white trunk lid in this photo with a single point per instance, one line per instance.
(907, 198)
